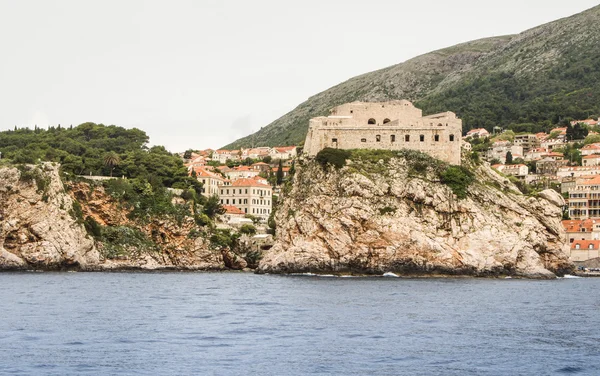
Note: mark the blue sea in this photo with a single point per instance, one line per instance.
(245, 324)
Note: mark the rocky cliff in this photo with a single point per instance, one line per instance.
(37, 231)
(42, 227)
(397, 215)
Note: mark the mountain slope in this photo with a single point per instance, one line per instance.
(541, 75)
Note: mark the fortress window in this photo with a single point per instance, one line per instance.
(371, 121)
(422, 138)
(451, 137)
(440, 125)
(334, 140)
(378, 138)
(436, 138)
(393, 138)
(406, 138)
(385, 121)
(351, 111)
(363, 140)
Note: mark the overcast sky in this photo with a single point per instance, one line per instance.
(202, 73)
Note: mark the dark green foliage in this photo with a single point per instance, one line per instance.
(223, 238)
(94, 149)
(92, 227)
(213, 206)
(248, 229)
(144, 200)
(577, 132)
(387, 210)
(121, 241)
(509, 158)
(335, 157)
(76, 212)
(458, 178)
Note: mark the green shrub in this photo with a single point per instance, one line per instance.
(458, 178)
(387, 210)
(124, 241)
(92, 227)
(248, 229)
(335, 157)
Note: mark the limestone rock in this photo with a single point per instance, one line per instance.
(357, 221)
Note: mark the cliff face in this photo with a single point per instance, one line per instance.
(37, 231)
(40, 228)
(383, 217)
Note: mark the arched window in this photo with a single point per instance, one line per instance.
(378, 138)
(591, 246)
(385, 121)
(371, 121)
(440, 125)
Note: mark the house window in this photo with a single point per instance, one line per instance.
(227, 201)
(378, 138)
(233, 201)
(363, 140)
(422, 138)
(393, 138)
(406, 138)
(246, 210)
(591, 246)
(576, 246)
(451, 137)
(436, 138)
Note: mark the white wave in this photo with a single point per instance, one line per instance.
(390, 274)
(569, 276)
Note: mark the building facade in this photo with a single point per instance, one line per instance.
(390, 125)
(249, 196)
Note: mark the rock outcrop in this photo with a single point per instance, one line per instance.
(37, 230)
(41, 227)
(372, 218)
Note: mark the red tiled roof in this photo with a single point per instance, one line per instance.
(232, 209)
(585, 244)
(594, 181)
(575, 225)
(283, 149)
(248, 183)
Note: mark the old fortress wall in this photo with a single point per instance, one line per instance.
(390, 125)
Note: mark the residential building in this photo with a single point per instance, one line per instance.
(518, 170)
(583, 250)
(477, 133)
(584, 199)
(577, 171)
(590, 122)
(527, 141)
(591, 160)
(549, 165)
(249, 196)
(590, 149)
(210, 180)
(283, 152)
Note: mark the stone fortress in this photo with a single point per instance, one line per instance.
(392, 125)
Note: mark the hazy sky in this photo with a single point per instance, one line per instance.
(202, 73)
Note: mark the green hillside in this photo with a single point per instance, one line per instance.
(543, 75)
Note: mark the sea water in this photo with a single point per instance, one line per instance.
(245, 324)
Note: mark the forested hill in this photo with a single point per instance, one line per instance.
(543, 75)
(95, 149)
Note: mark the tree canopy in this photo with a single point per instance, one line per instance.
(95, 149)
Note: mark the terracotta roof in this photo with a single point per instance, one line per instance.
(593, 156)
(202, 173)
(260, 164)
(232, 209)
(591, 147)
(575, 225)
(585, 244)
(283, 149)
(248, 183)
(594, 181)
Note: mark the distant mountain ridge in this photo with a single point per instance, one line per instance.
(542, 75)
